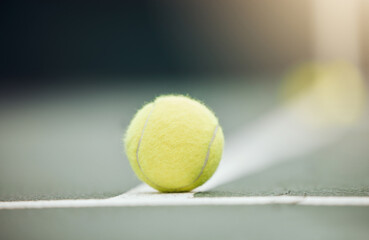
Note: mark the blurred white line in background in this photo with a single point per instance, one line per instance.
(282, 135)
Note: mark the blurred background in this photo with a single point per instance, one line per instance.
(73, 74)
(45, 43)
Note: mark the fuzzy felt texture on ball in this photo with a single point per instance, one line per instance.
(174, 143)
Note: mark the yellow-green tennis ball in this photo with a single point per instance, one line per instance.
(174, 143)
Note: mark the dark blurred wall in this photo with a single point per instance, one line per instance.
(56, 38)
(42, 40)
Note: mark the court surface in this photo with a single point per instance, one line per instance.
(64, 175)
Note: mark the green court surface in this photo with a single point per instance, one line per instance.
(215, 222)
(68, 145)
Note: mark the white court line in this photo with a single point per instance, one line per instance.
(187, 199)
(143, 195)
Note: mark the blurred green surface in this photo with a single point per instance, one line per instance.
(205, 222)
(68, 145)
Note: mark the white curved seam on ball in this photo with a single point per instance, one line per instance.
(202, 169)
(139, 144)
(207, 157)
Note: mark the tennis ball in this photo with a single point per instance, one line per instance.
(174, 143)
